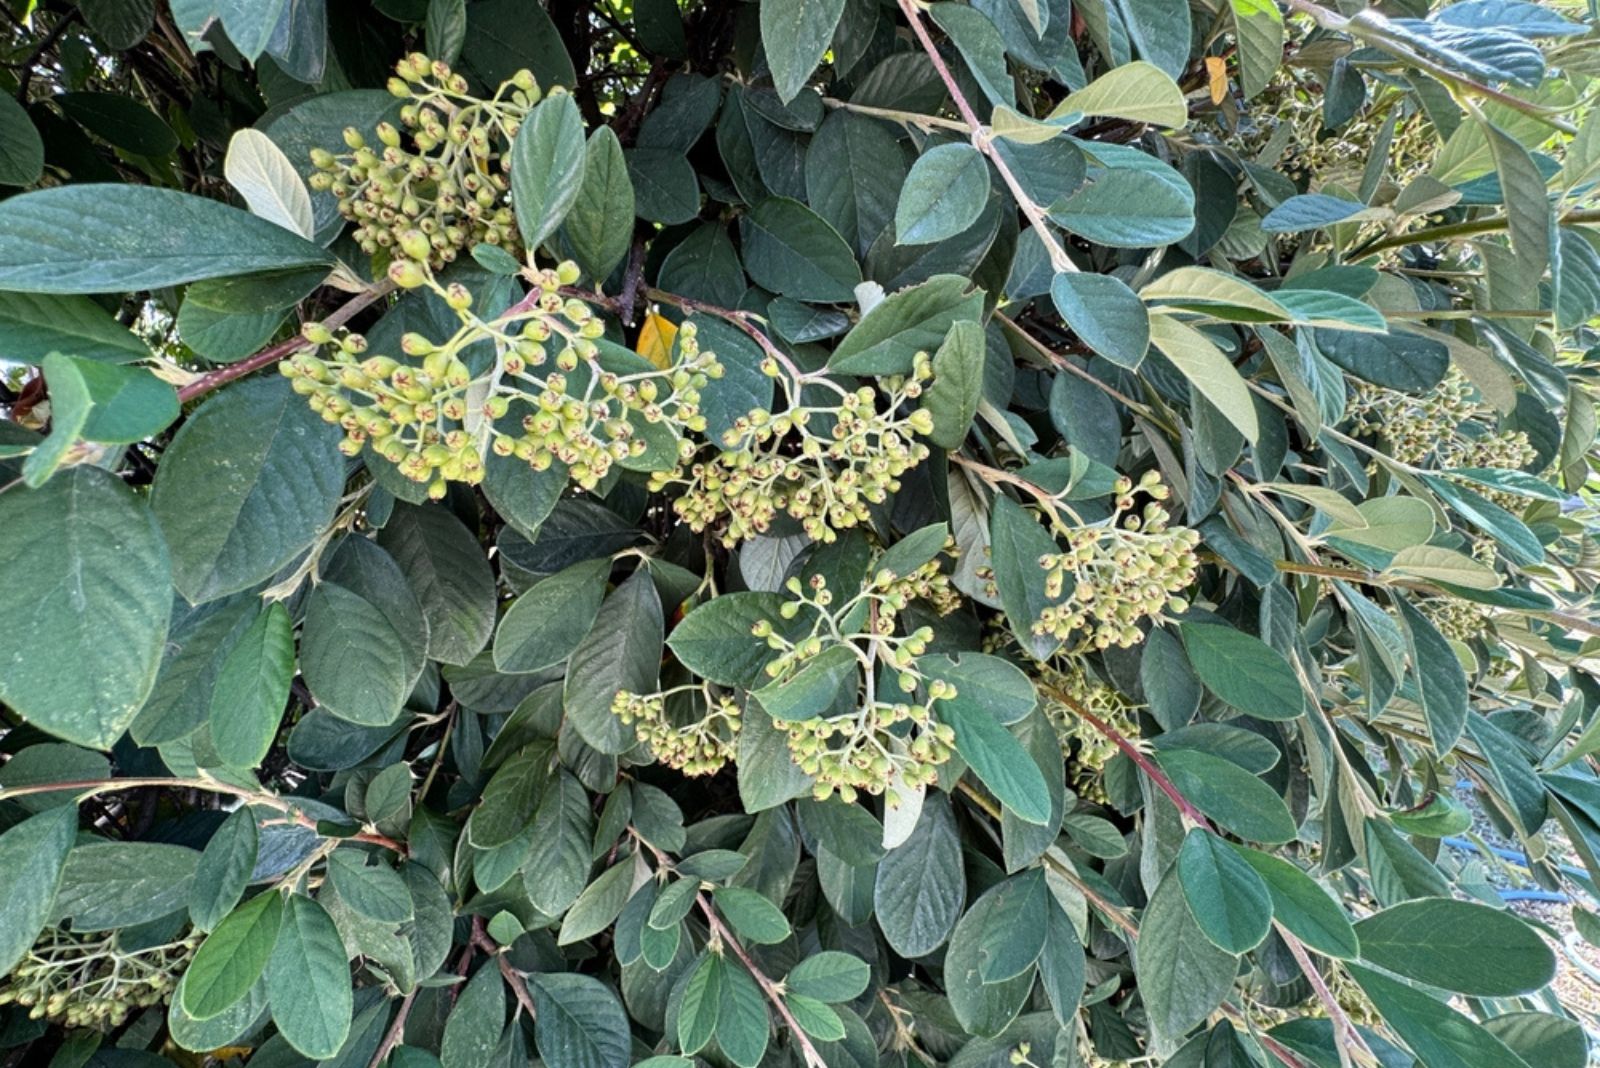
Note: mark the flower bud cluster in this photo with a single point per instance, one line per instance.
(890, 740)
(1125, 570)
(1449, 425)
(1458, 619)
(445, 177)
(91, 981)
(426, 411)
(1090, 749)
(823, 465)
(702, 747)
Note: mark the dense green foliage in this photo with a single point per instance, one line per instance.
(803, 532)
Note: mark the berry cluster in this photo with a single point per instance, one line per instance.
(821, 464)
(1449, 425)
(890, 741)
(885, 743)
(451, 184)
(1125, 570)
(91, 980)
(699, 747)
(1090, 748)
(554, 393)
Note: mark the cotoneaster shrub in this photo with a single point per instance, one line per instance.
(830, 533)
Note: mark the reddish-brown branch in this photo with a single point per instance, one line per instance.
(273, 353)
(513, 978)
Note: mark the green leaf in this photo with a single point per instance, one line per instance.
(248, 482)
(1239, 801)
(714, 639)
(446, 569)
(753, 917)
(1138, 92)
(982, 1009)
(70, 405)
(1182, 975)
(813, 689)
(121, 120)
(1458, 945)
(1440, 1036)
(308, 981)
(224, 870)
(1012, 934)
(829, 976)
(790, 250)
(33, 854)
(544, 625)
(998, 686)
(599, 905)
(1208, 371)
(1105, 314)
(1542, 1038)
(558, 867)
(701, 1004)
(1228, 899)
(921, 885)
(815, 1018)
(1017, 541)
(88, 655)
(233, 956)
(446, 29)
(374, 890)
(994, 754)
(1258, 29)
(1313, 211)
(128, 403)
(511, 798)
(622, 651)
(32, 325)
(122, 884)
(580, 1023)
(981, 47)
(952, 399)
(1528, 215)
(943, 195)
(1244, 671)
(1441, 682)
(1303, 906)
(743, 1027)
(252, 689)
(1127, 208)
(472, 1030)
(916, 319)
(47, 763)
(795, 34)
(21, 147)
(599, 228)
(547, 164)
(347, 657)
(89, 238)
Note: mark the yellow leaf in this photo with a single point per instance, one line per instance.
(655, 340)
(1217, 75)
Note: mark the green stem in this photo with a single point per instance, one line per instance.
(1470, 228)
(87, 788)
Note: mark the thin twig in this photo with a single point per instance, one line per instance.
(809, 1052)
(983, 142)
(514, 979)
(397, 1031)
(87, 788)
(273, 353)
